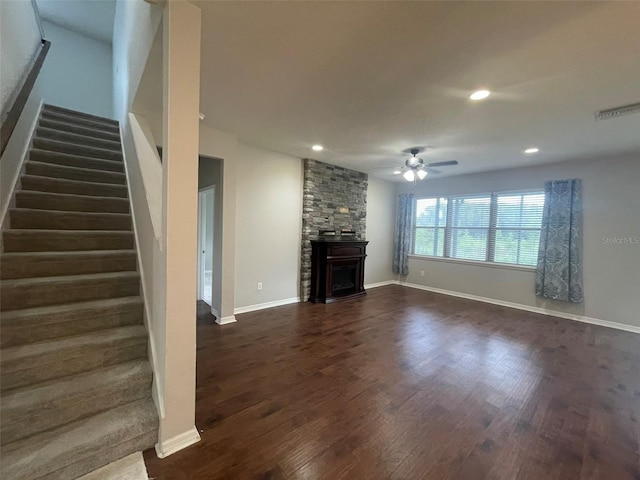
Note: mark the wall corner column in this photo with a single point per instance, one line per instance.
(181, 100)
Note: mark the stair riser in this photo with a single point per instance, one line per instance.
(58, 158)
(72, 173)
(73, 149)
(25, 199)
(83, 404)
(65, 326)
(55, 242)
(53, 266)
(69, 362)
(52, 185)
(82, 122)
(62, 136)
(70, 127)
(43, 219)
(59, 292)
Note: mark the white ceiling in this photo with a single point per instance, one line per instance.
(371, 79)
(93, 18)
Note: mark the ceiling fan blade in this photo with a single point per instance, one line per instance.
(432, 171)
(442, 164)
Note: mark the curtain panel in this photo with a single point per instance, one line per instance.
(559, 269)
(402, 234)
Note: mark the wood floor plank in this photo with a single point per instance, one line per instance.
(407, 384)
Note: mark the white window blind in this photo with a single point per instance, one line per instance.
(431, 220)
(469, 227)
(497, 227)
(517, 230)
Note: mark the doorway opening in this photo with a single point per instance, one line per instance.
(206, 204)
(210, 188)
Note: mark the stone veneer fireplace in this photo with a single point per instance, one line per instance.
(334, 198)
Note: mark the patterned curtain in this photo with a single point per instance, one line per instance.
(559, 271)
(402, 234)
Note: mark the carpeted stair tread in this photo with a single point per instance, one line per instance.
(43, 169)
(34, 240)
(80, 447)
(26, 365)
(26, 218)
(87, 131)
(75, 187)
(26, 411)
(40, 291)
(76, 149)
(61, 117)
(42, 264)
(59, 158)
(37, 324)
(75, 386)
(70, 202)
(76, 138)
(48, 108)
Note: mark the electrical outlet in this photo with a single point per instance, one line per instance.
(259, 286)
(422, 273)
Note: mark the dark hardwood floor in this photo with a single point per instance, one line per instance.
(406, 384)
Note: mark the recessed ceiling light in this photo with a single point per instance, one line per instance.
(397, 172)
(479, 94)
(531, 151)
(317, 148)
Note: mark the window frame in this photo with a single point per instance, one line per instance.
(492, 229)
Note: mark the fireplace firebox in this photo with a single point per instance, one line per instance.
(337, 270)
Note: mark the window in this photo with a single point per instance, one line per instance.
(469, 227)
(431, 218)
(498, 227)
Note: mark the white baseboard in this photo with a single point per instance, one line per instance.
(380, 284)
(214, 312)
(262, 306)
(528, 308)
(226, 320)
(177, 443)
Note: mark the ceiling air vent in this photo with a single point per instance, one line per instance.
(618, 111)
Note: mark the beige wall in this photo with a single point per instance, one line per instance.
(381, 203)
(611, 209)
(268, 226)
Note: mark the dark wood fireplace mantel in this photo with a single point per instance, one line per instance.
(337, 270)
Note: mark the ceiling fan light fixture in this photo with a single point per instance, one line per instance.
(397, 171)
(409, 175)
(479, 95)
(422, 174)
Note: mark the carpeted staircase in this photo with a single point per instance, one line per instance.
(74, 375)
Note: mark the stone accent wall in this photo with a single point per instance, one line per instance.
(333, 198)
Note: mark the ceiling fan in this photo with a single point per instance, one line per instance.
(415, 168)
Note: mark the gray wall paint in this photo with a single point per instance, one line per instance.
(381, 203)
(210, 173)
(77, 73)
(20, 40)
(611, 210)
(268, 225)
